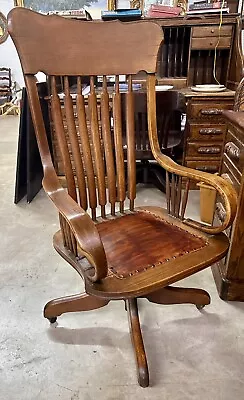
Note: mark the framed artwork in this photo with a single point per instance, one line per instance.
(3, 28)
(125, 4)
(45, 6)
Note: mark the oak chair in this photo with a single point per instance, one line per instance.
(121, 254)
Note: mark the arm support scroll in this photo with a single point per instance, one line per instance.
(80, 223)
(223, 187)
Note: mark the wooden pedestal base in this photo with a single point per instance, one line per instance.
(167, 295)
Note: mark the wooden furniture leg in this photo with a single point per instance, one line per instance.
(177, 295)
(78, 302)
(137, 342)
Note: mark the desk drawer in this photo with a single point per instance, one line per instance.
(209, 110)
(234, 150)
(227, 174)
(207, 132)
(209, 43)
(204, 150)
(205, 31)
(231, 167)
(203, 165)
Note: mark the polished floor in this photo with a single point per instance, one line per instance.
(191, 354)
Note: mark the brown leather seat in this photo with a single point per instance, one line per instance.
(138, 241)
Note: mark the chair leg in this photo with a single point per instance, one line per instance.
(137, 342)
(177, 295)
(79, 302)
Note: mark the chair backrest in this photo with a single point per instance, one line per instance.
(91, 150)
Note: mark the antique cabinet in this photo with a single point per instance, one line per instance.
(229, 272)
(205, 129)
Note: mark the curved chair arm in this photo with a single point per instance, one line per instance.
(80, 223)
(224, 188)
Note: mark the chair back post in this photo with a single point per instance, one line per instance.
(91, 149)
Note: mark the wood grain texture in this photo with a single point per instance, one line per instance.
(78, 59)
(118, 143)
(108, 146)
(177, 295)
(130, 138)
(97, 148)
(137, 342)
(86, 150)
(80, 175)
(75, 303)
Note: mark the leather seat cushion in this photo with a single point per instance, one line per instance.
(141, 240)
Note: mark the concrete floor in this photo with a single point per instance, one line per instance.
(191, 355)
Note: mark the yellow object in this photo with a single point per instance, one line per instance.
(207, 202)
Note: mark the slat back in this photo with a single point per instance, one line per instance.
(88, 128)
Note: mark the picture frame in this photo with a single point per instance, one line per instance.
(61, 5)
(136, 4)
(3, 28)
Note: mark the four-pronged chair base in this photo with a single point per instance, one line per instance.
(167, 295)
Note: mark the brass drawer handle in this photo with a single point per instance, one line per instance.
(232, 151)
(211, 111)
(209, 149)
(210, 131)
(221, 213)
(208, 168)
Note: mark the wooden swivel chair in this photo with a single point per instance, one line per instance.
(122, 254)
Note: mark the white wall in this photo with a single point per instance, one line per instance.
(8, 55)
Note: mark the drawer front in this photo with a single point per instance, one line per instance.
(231, 167)
(209, 110)
(234, 150)
(203, 165)
(206, 132)
(204, 149)
(227, 174)
(205, 31)
(211, 42)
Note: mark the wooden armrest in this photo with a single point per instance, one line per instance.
(80, 223)
(223, 187)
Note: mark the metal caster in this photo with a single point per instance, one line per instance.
(200, 306)
(52, 320)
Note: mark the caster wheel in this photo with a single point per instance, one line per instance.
(200, 306)
(52, 320)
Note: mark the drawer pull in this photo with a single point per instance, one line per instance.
(210, 131)
(209, 150)
(221, 213)
(232, 151)
(211, 111)
(208, 168)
